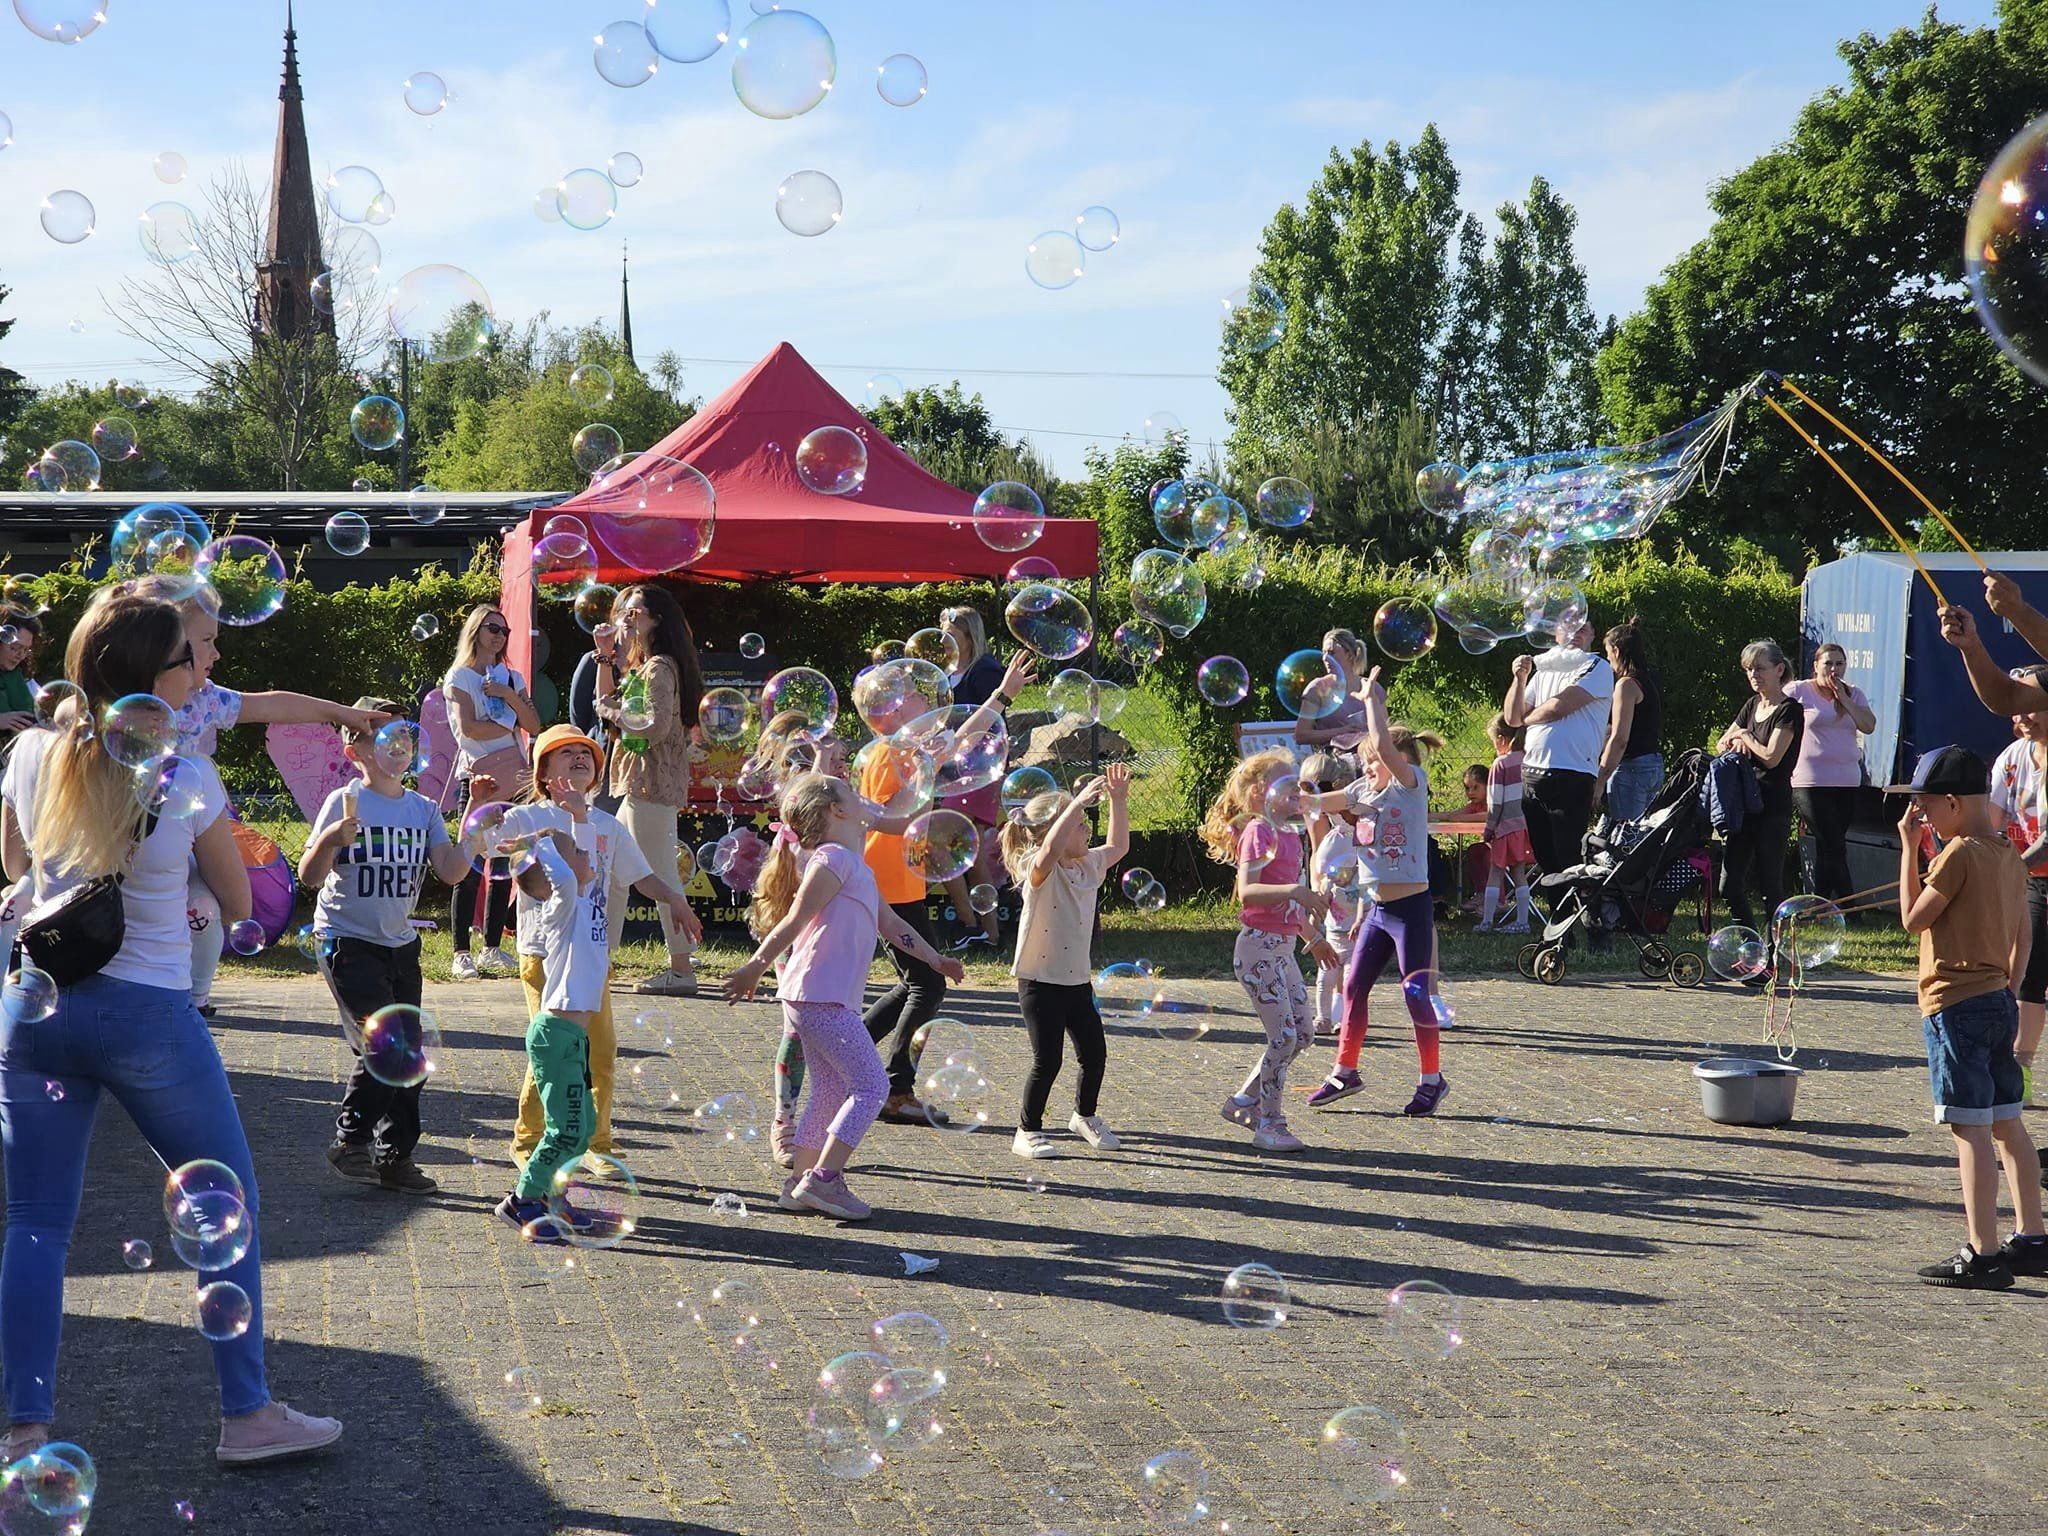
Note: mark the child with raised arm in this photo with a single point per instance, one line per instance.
(370, 843)
(1060, 876)
(816, 902)
(1969, 909)
(1334, 873)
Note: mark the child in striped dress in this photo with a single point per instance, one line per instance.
(1509, 856)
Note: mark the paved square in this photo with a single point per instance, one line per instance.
(1671, 1326)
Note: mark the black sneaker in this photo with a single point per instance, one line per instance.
(2025, 1256)
(352, 1162)
(1968, 1270)
(404, 1174)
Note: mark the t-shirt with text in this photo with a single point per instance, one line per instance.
(375, 882)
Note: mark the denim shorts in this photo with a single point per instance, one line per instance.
(1970, 1063)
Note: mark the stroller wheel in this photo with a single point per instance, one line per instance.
(1655, 960)
(1525, 961)
(1550, 965)
(1687, 968)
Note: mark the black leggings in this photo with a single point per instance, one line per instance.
(1827, 811)
(1053, 1010)
(1760, 845)
(497, 906)
(1557, 804)
(908, 1006)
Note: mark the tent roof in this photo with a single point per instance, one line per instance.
(902, 525)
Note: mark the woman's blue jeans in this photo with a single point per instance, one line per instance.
(149, 1048)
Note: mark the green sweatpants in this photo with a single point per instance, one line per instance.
(558, 1053)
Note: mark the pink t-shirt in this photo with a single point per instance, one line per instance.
(829, 961)
(1830, 752)
(1270, 857)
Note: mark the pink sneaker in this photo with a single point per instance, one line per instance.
(1273, 1136)
(827, 1192)
(1246, 1115)
(272, 1433)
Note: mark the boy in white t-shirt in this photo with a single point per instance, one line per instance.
(371, 842)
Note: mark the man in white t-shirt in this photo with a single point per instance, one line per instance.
(1561, 698)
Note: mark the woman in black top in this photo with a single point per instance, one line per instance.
(1632, 761)
(975, 682)
(1766, 730)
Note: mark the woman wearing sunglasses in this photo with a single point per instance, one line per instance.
(488, 706)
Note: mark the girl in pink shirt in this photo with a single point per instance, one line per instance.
(1253, 825)
(816, 901)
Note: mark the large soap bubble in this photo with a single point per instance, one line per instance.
(625, 169)
(1097, 228)
(654, 514)
(1192, 513)
(1362, 1456)
(114, 437)
(246, 575)
(442, 311)
(377, 422)
(1307, 686)
(348, 533)
(783, 65)
(1738, 953)
(687, 31)
(1055, 260)
(901, 80)
(1440, 487)
(1167, 589)
(595, 446)
(808, 203)
(169, 232)
(68, 216)
(425, 93)
(624, 55)
(805, 692)
(2005, 249)
(832, 461)
(1809, 932)
(1222, 681)
(890, 695)
(1008, 516)
(894, 776)
(1254, 317)
(1049, 621)
(586, 199)
(168, 167)
(836, 1423)
(1138, 643)
(61, 21)
(940, 845)
(1404, 628)
(351, 190)
(1284, 502)
(591, 385)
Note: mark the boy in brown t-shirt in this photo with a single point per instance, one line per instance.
(1970, 913)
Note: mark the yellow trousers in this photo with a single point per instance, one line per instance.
(604, 1056)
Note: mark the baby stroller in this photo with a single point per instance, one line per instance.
(1632, 877)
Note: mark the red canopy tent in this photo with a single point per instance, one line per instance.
(903, 525)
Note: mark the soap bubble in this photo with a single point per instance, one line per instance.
(957, 1096)
(442, 311)
(807, 692)
(1737, 953)
(1126, 991)
(836, 1422)
(940, 845)
(783, 65)
(425, 93)
(729, 1207)
(351, 190)
(832, 461)
(722, 714)
(915, 1343)
(224, 1311)
(1023, 785)
(593, 606)
(169, 232)
(1307, 687)
(599, 1212)
(1167, 589)
(1162, 427)
(77, 465)
(169, 167)
(1404, 628)
(400, 747)
(383, 208)
(246, 937)
(732, 1117)
(1425, 1322)
(890, 695)
(903, 1410)
(1254, 317)
(934, 645)
(625, 169)
(1073, 695)
(1809, 931)
(654, 513)
(1171, 1488)
(1138, 642)
(563, 565)
(590, 385)
(808, 203)
(401, 1045)
(137, 1254)
(61, 21)
(1049, 622)
(1191, 513)
(1284, 502)
(377, 422)
(731, 1313)
(1555, 608)
(1255, 1296)
(1144, 890)
(983, 899)
(426, 626)
(2004, 247)
(519, 1389)
(354, 253)
(1097, 228)
(57, 1479)
(113, 437)
(752, 646)
(211, 1231)
(1223, 681)
(901, 80)
(138, 730)
(348, 533)
(1055, 260)
(624, 55)
(1361, 1455)
(196, 1187)
(29, 994)
(1440, 487)
(687, 31)
(595, 446)
(1008, 516)
(68, 217)
(883, 386)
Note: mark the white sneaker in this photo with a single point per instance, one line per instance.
(1033, 1144)
(497, 963)
(464, 966)
(1090, 1128)
(1273, 1136)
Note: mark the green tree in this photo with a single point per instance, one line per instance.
(1534, 387)
(179, 444)
(1118, 495)
(1363, 478)
(950, 434)
(1837, 259)
(14, 390)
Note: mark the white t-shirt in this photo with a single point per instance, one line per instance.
(1570, 745)
(469, 749)
(157, 949)
(1392, 833)
(1056, 930)
(570, 926)
(370, 892)
(618, 860)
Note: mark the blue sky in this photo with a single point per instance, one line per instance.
(1192, 121)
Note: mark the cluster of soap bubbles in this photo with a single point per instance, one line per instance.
(1074, 695)
(1059, 257)
(883, 1400)
(52, 1488)
(952, 1081)
(67, 465)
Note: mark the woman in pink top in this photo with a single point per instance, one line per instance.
(1829, 771)
(816, 899)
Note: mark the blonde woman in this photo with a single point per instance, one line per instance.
(1341, 729)
(648, 685)
(488, 706)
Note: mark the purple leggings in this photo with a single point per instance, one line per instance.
(848, 1085)
(1403, 930)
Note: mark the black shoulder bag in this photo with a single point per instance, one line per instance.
(84, 931)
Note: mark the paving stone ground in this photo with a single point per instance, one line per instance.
(1670, 1326)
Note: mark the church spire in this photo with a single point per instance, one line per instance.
(291, 240)
(625, 308)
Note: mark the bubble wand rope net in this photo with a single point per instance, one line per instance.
(1896, 473)
(1827, 458)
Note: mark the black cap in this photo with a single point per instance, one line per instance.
(1947, 771)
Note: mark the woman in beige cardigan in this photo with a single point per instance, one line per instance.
(648, 685)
